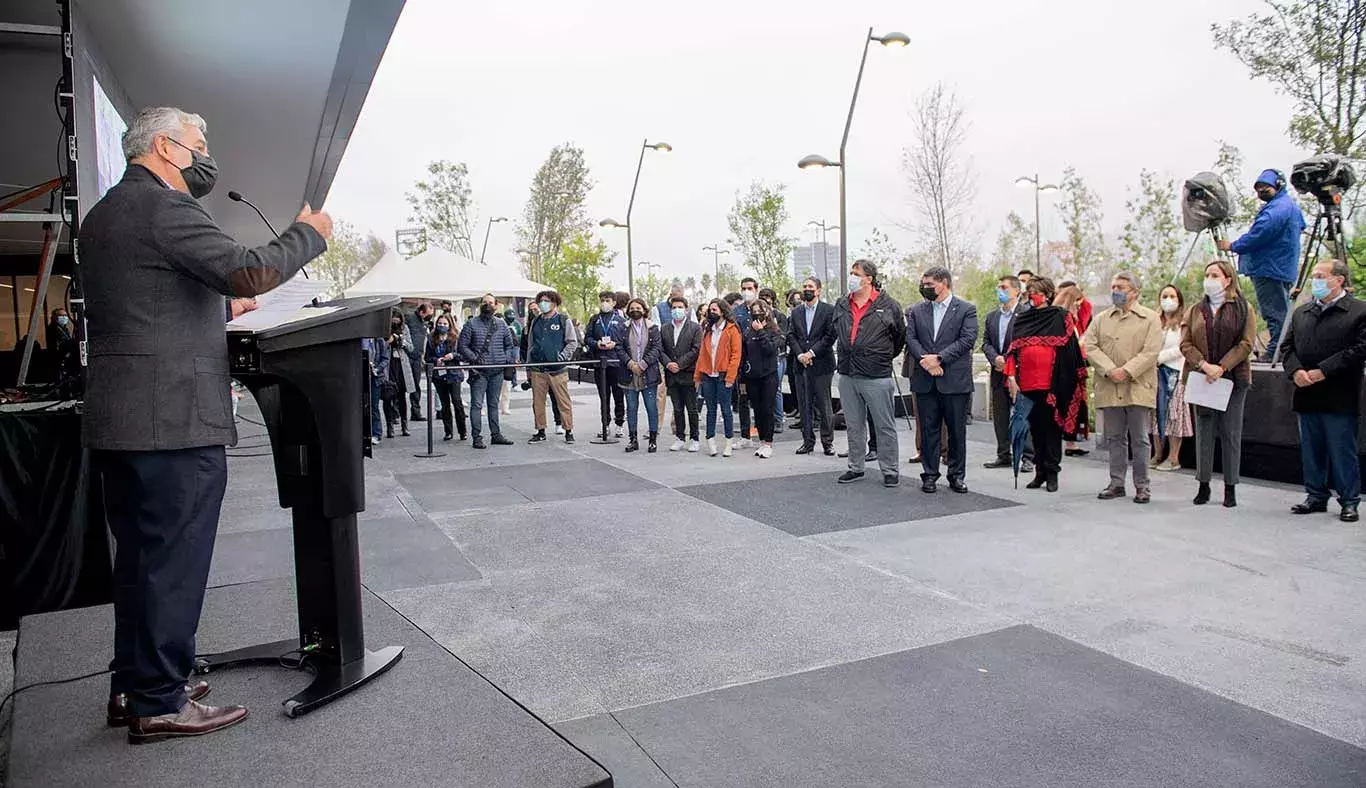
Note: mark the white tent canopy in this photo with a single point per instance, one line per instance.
(437, 273)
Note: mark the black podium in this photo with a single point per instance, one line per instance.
(311, 379)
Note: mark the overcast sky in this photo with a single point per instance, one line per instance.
(743, 89)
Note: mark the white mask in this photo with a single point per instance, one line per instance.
(1214, 288)
(607, 306)
(855, 283)
(1169, 305)
(749, 295)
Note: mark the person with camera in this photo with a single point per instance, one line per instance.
(443, 359)
(760, 371)
(400, 376)
(550, 338)
(1269, 252)
(486, 342)
(419, 322)
(871, 331)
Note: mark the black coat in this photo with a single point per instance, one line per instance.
(953, 344)
(820, 340)
(155, 269)
(761, 350)
(649, 359)
(881, 337)
(682, 349)
(1331, 339)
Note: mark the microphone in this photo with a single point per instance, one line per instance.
(237, 197)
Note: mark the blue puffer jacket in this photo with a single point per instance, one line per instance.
(478, 332)
(1271, 247)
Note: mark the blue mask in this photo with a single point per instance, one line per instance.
(62, 320)
(1119, 299)
(1319, 287)
(545, 307)
(1002, 295)
(442, 329)
(679, 314)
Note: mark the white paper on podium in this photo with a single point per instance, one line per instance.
(1211, 395)
(283, 304)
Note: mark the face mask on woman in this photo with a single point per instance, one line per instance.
(1169, 305)
(636, 314)
(1214, 287)
(442, 328)
(63, 320)
(1038, 299)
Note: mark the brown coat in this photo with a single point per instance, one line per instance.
(1130, 340)
(727, 361)
(1195, 344)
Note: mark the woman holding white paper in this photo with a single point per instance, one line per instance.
(1217, 342)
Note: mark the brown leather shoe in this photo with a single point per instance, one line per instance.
(195, 719)
(117, 714)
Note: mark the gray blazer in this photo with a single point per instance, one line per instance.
(155, 269)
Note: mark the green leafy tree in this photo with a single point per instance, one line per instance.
(1228, 164)
(555, 206)
(1082, 216)
(348, 257)
(1313, 51)
(577, 273)
(443, 203)
(705, 279)
(1015, 248)
(727, 279)
(1153, 233)
(756, 223)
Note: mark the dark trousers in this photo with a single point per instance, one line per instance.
(1000, 420)
(684, 397)
(376, 408)
(1273, 301)
(813, 402)
(763, 393)
(162, 508)
(452, 407)
(415, 396)
(1328, 454)
(1046, 435)
(743, 402)
(607, 395)
(936, 413)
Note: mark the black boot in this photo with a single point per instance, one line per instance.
(1040, 476)
(634, 445)
(389, 431)
(654, 443)
(1202, 494)
(1230, 497)
(416, 415)
(1051, 484)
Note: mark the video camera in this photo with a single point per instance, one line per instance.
(1326, 177)
(1205, 203)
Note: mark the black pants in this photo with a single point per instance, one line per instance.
(792, 384)
(452, 407)
(683, 394)
(936, 412)
(763, 396)
(813, 402)
(607, 395)
(1000, 420)
(415, 396)
(162, 507)
(743, 402)
(1046, 435)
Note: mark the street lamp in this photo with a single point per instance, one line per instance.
(825, 249)
(815, 161)
(661, 147)
(1025, 180)
(487, 230)
(716, 260)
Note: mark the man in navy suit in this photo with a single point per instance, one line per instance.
(941, 332)
(811, 336)
(997, 332)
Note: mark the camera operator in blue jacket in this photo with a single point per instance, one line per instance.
(1269, 252)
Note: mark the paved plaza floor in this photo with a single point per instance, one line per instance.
(699, 621)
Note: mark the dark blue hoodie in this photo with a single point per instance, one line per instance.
(1270, 249)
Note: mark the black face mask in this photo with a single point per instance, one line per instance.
(202, 173)
(928, 293)
(486, 310)
(635, 314)
(1266, 195)
(712, 317)
(808, 295)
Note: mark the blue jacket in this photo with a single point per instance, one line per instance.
(378, 350)
(551, 339)
(492, 331)
(437, 349)
(1271, 247)
(650, 358)
(601, 327)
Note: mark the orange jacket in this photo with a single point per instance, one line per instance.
(727, 359)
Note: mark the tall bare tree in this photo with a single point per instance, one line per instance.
(443, 203)
(940, 175)
(1081, 211)
(554, 209)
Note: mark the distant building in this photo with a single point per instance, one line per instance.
(816, 259)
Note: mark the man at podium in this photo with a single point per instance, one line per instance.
(155, 270)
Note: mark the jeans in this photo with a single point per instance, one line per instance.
(485, 387)
(684, 397)
(778, 425)
(1328, 453)
(376, 409)
(763, 391)
(633, 398)
(1226, 428)
(870, 401)
(1126, 433)
(717, 394)
(1273, 299)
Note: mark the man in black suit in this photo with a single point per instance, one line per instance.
(996, 337)
(940, 334)
(682, 339)
(811, 336)
(155, 269)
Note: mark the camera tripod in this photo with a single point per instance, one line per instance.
(1327, 231)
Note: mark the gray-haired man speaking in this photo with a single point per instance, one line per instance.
(156, 269)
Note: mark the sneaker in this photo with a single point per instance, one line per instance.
(499, 440)
(620, 431)
(693, 447)
(568, 436)
(741, 443)
(849, 477)
(727, 450)
(559, 429)
(375, 440)
(890, 480)
(678, 445)
(765, 451)
(711, 447)
(537, 438)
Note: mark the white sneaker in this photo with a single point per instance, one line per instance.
(620, 431)
(678, 446)
(740, 443)
(711, 447)
(726, 452)
(559, 429)
(692, 448)
(375, 439)
(765, 451)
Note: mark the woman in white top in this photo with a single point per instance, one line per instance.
(1172, 419)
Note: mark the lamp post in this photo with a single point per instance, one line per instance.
(662, 147)
(825, 249)
(716, 251)
(1025, 180)
(488, 230)
(817, 161)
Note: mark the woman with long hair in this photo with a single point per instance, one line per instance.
(1045, 363)
(446, 376)
(1071, 298)
(1217, 343)
(638, 351)
(718, 365)
(759, 370)
(1172, 419)
(400, 374)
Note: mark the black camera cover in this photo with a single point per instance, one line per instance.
(1323, 176)
(1205, 202)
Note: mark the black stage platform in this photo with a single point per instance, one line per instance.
(430, 721)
